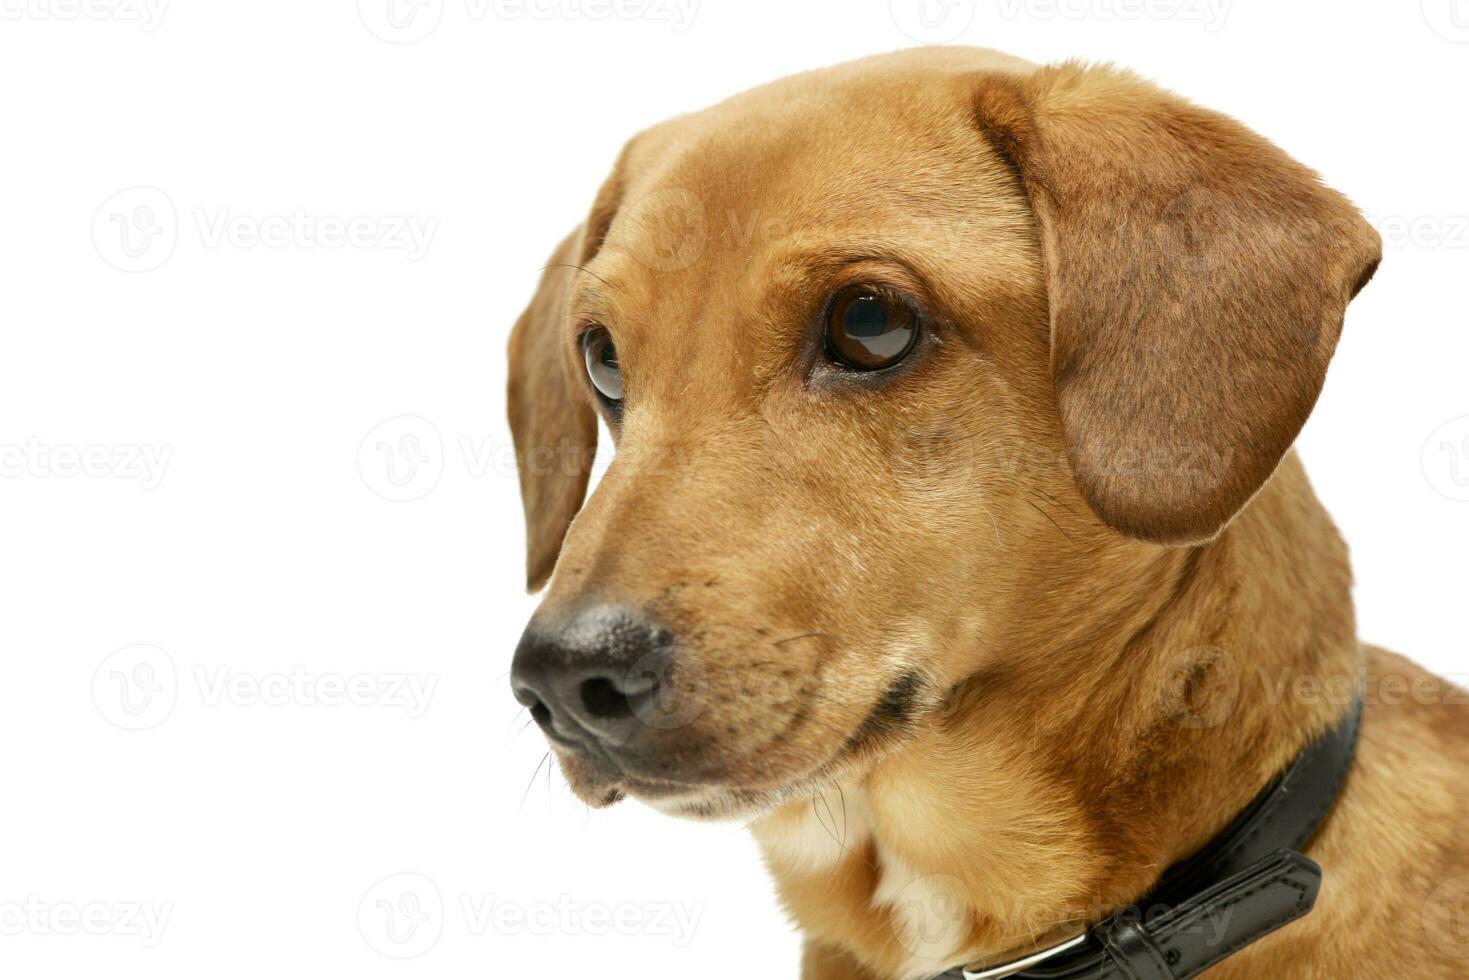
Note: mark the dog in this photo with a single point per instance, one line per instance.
(954, 536)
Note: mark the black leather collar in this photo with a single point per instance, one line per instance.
(1244, 884)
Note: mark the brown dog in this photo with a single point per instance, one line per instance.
(954, 530)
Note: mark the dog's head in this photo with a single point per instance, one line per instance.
(890, 352)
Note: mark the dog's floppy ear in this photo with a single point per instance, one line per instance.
(1197, 279)
(551, 416)
(554, 426)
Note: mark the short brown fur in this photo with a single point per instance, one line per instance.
(1072, 517)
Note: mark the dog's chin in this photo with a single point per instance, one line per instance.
(595, 784)
(600, 785)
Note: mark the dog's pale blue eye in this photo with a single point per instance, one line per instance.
(867, 330)
(602, 366)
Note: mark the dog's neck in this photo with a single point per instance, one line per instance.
(1114, 737)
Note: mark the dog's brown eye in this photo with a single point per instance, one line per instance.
(602, 365)
(867, 330)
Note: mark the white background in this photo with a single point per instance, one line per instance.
(257, 562)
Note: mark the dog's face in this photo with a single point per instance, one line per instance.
(888, 352)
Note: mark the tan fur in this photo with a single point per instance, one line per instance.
(1071, 516)
(555, 429)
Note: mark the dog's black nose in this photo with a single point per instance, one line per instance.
(593, 675)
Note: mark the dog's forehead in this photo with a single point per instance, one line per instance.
(820, 138)
(724, 207)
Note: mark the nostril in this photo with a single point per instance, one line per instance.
(588, 676)
(602, 699)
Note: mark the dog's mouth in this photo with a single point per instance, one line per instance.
(712, 791)
(600, 783)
